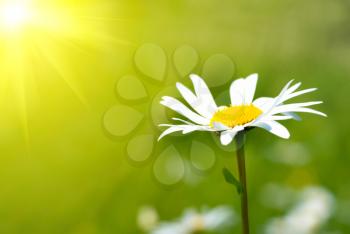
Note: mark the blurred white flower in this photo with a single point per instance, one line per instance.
(242, 113)
(193, 221)
(313, 209)
(147, 218)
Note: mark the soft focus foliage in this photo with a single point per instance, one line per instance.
(65, 165)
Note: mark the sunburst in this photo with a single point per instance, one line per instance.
(32, 29)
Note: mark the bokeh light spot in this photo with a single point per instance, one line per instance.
(130, 88)
(140, 147)
(218, 69)
(185, 60)
(150, 59)
(169, 167)
(121, 120)
(202, 156)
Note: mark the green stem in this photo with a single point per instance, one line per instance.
(243, 180)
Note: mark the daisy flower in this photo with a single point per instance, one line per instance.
(147, 218)
(314, 208)
(192, 221)
(232, 121)
(242, 113)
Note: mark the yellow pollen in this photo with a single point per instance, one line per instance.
(197, 223)
(236, 115)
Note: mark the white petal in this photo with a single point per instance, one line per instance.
(203, 94)
(219, 126)
(264, 103)
(293, 115)
(227, 136)
(202, 104)
(274, 128)
(168, 131)
(183, 121)
(309, 110)
(250, 86)
(184, 128)
(279, 98)
(292, 95)
(263, 118)
(189, 129)
(286, 87)
(166, 125)
(177, 106)
(242, 90)
(186, 93)
(276, 117)
(292, 107)
(236, 92)
(293, 88)
(275, 106)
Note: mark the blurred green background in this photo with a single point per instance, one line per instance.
(61, 171)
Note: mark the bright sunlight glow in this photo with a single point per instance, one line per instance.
(14, 15)
(38, 40)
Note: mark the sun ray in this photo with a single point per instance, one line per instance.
(15, 55)
(51, 53)
(54, 32)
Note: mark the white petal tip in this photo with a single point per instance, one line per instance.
(225, 143)
(179, 85)
(225, 140)
(193, 76)
(159, 138)
(286, 137)
(253, 76)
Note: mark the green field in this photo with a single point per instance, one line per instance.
(78, 149)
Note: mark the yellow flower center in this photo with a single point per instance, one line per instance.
(236, 115)
(197, 224)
